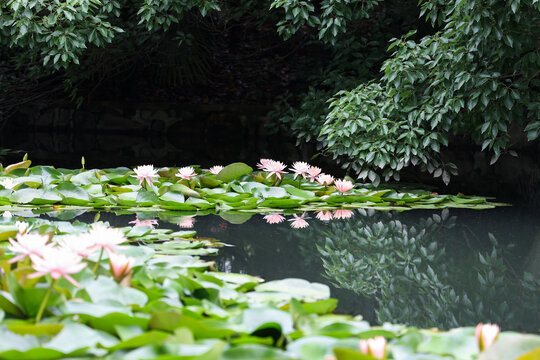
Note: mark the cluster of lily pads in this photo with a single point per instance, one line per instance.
(181, 307)
(233, 187)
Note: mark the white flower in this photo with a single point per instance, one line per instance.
(7, 183)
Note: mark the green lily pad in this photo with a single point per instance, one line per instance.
(233, 171)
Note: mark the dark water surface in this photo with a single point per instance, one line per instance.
(442, 268)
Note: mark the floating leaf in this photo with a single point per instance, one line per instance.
(20, 165)
(233, 171)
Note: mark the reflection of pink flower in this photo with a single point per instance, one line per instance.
(274, 218)
(343, 214)
(145, 173)
(325, 179)
(28, 244)
(149, 222)
(187, 223)
(81, 245)
(58, 262)
(105, 237)
(376, 347)
(186, 172)
(486, 334)
(324, 215)
(216, 169)
(313, 172)
(343, 185)
(274, 167)
(300, 168)
(120, 265)
(299, 222)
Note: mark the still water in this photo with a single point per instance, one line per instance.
(443, 268)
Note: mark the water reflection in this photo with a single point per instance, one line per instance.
(426, 271)
(429, 269)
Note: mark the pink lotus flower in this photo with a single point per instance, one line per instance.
(375, 347)
(187, 172)
(187, 223)
(486, 334)
(145, 173)
(264, 163)
(149, 222)
(216, 169)
(57, 262)
(343, 214)
(274, 218)
(81, 244)
(299, 222)
(120, 265)
(343, 185)
(324, 215)
(104, 237)
(300, 168)
(313, 172)
(28, 244)
(274, 167)
(325, 179)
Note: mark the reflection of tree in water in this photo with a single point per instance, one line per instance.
(415, 274)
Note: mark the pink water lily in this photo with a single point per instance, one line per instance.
(343, 214)
(264, 163)
(325, 179)
(313, 172)
(57, 262)
(274, 218)
(376, 347)
(28, 244)
(486, 334)
(81, 244)
(343, 185)
(7, 214)
(216, 169)
(187, 172)
(104, 237)
(324, 215)
(299, 222)
(273, 167)
(148, 222)
(300, 168)
(145, 173)
(187, 223)
(120, 264)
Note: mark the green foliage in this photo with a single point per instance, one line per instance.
(330, 18)
(58, 33)
(476, 76)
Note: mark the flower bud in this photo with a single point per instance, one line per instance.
(486, 334)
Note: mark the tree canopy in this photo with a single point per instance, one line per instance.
(453, 68)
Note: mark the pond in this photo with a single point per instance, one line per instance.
(443, 268)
